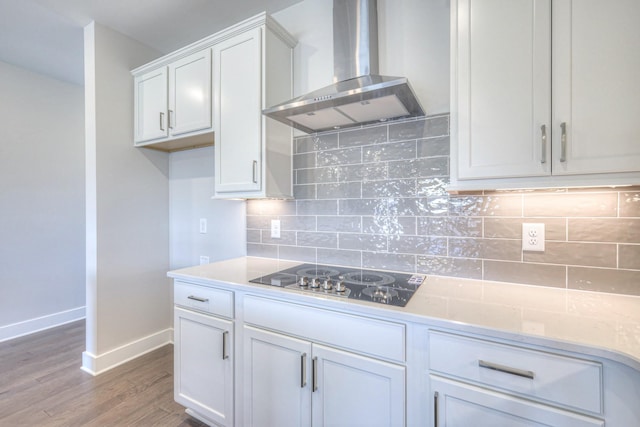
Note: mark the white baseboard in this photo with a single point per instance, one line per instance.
(97, 364)
(38, 324)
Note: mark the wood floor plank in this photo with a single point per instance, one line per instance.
(41, 384)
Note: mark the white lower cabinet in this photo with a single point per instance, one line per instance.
(462, 405)
(275, 379)
(203, 366)
(352, 390)
(301, 364)
(485, 383)
(294, 382)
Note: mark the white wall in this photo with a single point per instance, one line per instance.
(413, 39)
(128, 293)
(191, 187)
(41, 202)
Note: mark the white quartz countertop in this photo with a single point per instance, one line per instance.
(603, 325)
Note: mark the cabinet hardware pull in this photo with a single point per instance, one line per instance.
(161, 120)
(195, 298)
(225, 355)
(506, 369)
(563, 142)
(435, 409)
(314, 377)
(255, 171)
(171, 119)
(543, 159)
(303, 370)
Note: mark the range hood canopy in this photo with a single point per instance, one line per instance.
(360, 95)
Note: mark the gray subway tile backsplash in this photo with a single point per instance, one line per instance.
(364, 136)
(317, 239)
(390, 151)
(375, 197)
(343, 190)
(365, 172)
(629, 257)
(431, 147)
(339, 257)
(630, 204)
(351, 224)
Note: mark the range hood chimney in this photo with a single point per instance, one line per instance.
(359, 94)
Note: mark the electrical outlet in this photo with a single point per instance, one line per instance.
(204, 259)
(533, 237)
(203, 225)
(275, 228)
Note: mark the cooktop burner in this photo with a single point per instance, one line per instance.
(368, 285)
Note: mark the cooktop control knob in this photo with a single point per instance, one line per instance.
(340, 287)
(315, 283)
(304, 282)
(327, 285)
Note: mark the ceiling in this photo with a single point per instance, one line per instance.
(46, 36)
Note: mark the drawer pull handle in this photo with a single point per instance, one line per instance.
(506, 369)
(303, 370)
(255, 171)
(225, 354)
(195, 298)
(314, 378)
(543, 155)
(563, 142)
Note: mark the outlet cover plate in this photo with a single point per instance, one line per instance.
(533, 237)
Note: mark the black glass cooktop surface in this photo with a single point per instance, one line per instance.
(369, 285)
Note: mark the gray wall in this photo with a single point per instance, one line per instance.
(376, 198)
(127, 211)
(41, 200)
(191, 187)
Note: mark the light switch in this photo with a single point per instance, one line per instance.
(203, 225)
(275, 228)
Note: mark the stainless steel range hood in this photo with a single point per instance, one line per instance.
(359, 95)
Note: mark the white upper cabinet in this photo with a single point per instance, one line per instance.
(150, 115)
(216, 89)
(544, 93)
(504, 87)
(238, 113)
(173, 103)
(190, 93)
(596, 93)
(252, 70)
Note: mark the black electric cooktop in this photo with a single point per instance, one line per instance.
(369, 285)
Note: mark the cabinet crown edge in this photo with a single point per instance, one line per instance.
(261, 19)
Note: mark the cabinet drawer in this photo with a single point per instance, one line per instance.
(555, 379)
(203, 298)
(361, 334)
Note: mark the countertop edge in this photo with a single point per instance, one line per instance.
(195, 275)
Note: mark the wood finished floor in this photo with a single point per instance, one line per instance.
(41, 384)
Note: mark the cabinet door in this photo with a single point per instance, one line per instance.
(596, 93)
(150, 100)
(462, 405)
(502, 87)
(190, 93)
(203, 365)
(238, 113)
(354, 390)
(277, 389)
